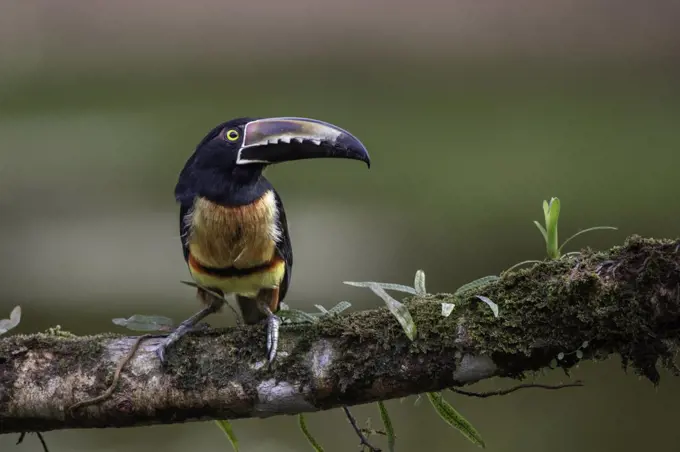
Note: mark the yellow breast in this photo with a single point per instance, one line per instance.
(241, 237)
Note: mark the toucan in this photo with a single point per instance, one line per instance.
(232, 223)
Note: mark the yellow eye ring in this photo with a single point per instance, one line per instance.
(232, 135)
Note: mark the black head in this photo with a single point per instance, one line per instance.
(227, 164)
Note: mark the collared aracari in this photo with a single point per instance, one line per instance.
(233, 225)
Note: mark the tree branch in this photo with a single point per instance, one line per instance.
(625, 300)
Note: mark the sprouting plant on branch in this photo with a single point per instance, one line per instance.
(551, 215)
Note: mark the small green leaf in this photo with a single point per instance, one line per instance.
(399, 310)
(584, 344)
(419, 283)
(454, 419)
(491, 304)
(477, 283)
(139, 322)
(225, 426)
(543, 231)
(579, 354)
(551, 222)
(447, 309)
(12, 322)
(560, 356)
(303, 426)
(386, 286)
(297, 316)
(338, 308)
(553, 211)
(387, 422)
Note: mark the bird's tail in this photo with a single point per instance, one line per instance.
(265, 303)
(249, 310)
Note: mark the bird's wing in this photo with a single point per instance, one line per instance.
(184, 229)
(283, 246)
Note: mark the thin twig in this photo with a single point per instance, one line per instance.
(502, 392)
(116, 376)
(42, 441)
(360, 434)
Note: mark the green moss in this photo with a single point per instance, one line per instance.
(613, 299)
(57, 331)
(239, 348)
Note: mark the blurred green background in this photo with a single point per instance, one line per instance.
(473, 112)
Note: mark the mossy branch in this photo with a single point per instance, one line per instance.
(625, 300)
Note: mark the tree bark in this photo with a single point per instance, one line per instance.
(625, 300)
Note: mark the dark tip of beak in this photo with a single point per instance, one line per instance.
(354, 148)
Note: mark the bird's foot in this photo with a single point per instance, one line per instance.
(189, 325)
(183, 328)
(273, 324)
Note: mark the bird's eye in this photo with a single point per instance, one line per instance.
(232, 135)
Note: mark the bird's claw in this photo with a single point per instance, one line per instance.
(273, 324)
(181, 330)
(190, 324)
(160, 352)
